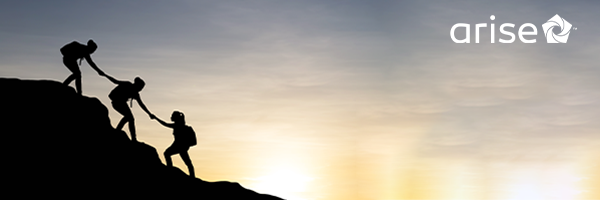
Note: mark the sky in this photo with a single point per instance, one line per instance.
(343, 100)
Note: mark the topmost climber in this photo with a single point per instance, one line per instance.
(76, 51)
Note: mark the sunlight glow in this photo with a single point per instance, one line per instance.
(284, 183)
(560, 187)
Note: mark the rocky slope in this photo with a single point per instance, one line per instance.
(58, 144)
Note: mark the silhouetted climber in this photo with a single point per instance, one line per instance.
(76, 51)
(119, 96)
(185, 137)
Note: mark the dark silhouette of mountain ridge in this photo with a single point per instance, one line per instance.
(56, 143)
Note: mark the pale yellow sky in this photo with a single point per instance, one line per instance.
(321, 100)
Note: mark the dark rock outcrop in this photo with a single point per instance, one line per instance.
(56, 143)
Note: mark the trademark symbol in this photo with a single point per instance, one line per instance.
(575, 28)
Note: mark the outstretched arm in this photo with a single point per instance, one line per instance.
(139, 100)
(162, 122)
(89, 60)
(115, 81)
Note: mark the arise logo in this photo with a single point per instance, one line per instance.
(548, 27)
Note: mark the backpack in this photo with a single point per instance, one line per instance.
(189, 136)
(122, 92)
(71, 50)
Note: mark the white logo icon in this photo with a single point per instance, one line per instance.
(565, 29)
